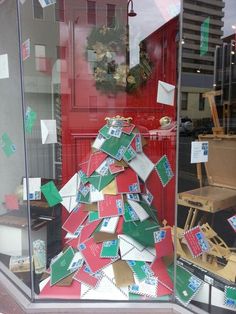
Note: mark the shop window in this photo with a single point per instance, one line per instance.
(91, 12)
(201, 103)
(59, 11)
(40, 58)
(111, 15)
(184, 102)
(37, 10)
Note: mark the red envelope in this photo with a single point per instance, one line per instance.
(11, 202)
(163, 242)
(88, 230)
(95, 161)
(85, 276)
(91, 253)
(75, 219)
(127, 182)
(165, 284)
(112, 205)
(61, 292)
(119, 228)
(196, 241)
(127, 129)
(73, 243)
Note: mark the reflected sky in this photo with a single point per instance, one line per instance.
(151, 15)
(230, 17)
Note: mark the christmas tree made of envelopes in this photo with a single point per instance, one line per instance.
(116, 247)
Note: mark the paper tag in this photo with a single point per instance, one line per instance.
(199, 152)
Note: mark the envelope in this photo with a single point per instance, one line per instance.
(34, 185)
(69, 193)
(132, 250)
(165, 93)
(51, 193)
(142, 165)
(48, 131)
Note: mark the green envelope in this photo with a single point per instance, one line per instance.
(7, 145)
(116, 147)
(59, 268)
(51, 193)
(93, 216)
(187, 284)
(152, 212)
(140, 269)
(100, 182)
(141, 231)
(83, 199)
(110, 249)
(30, 118)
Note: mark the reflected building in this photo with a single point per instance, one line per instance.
(197, 64)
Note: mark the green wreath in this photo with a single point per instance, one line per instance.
(112, 76)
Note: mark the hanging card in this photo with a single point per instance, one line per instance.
(196, 241)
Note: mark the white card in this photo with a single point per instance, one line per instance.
(109, 224)
(139, 210)
(46, 3)
(48, 131)
(95, 195)
(69, 193)
(165, 93)
(34, 189)
(142, 165)
(199, 152)
(4, 68)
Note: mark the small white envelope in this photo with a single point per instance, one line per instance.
(34, 189)
(48, 131)
(109, 224)
(69, 193)
(142, 165)
(165, 93)
(139, 210)
(46, 3)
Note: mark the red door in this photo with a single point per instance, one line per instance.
(95, 29)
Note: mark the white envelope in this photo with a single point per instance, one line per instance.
(34, 189)
(129, 252)
(147, 287)
(95, 195)
(165, 93)
(69, 193)
(106, 290)
(48, 131)
(139, 210)
(142, 165)
(46, 3)
(109, 224)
